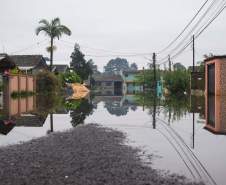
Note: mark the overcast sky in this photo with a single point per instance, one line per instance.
(121, 26)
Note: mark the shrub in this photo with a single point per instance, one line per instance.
(47, 82)
(71, 77)
(177, 82)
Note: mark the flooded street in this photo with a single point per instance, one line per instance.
(171, 134)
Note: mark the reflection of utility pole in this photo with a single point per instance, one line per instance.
(143, 80)
(193, 130)
(51, 122)
(155, 91)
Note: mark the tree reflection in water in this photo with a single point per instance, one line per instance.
(172, 107)
(80, 113)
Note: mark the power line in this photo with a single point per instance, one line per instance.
(194, 27)
(32, 46)
(185, 28)
(199, 32)
(115, 53)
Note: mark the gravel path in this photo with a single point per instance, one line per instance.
(87, 155)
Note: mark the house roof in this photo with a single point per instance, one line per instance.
(60, 68)
(27, 60)
(107, 77)
(6, 62)
(215, 57)
(133, 72)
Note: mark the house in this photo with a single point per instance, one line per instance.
(60, 68)
(215, 91)
(6, 63)
(109, 84)
(129, 81)
(31, 64)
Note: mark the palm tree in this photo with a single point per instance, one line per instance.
(53, 29)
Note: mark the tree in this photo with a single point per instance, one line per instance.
(53, 29)
(116, 65)
(179, 66)
(93, 67)
(177, 82)
(134, 67)
(79, 64)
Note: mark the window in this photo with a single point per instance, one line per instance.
(108, 83)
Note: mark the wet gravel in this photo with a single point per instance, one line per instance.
(87, 155)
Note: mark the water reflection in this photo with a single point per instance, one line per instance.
(173, 125)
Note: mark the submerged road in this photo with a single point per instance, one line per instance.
(86, 155)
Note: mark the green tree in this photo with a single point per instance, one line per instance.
(116, 65)
(134, 67)
(79, 64)
(53, 29)
(177, 82)
(179, 66)
(147, 77)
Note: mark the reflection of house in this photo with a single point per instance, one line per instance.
(30, 63)
(109, 84)
(30, 120)
(60, 68)
(129, 82)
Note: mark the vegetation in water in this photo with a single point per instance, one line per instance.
(21, 94)
(47, 82)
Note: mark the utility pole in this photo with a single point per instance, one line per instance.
(169, 59)
(193, 48)
(193, 114)
(155, 92)
(143, 80)
(154, 67)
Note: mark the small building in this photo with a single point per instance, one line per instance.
(60, 68)
(108, 83)
(31, 64)
(215, 90)
(129, 81)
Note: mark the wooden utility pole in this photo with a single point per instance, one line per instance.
(193, 50)
(154, 67)
(155, 92)
(143, 80)
(193, 70)
(169, 59)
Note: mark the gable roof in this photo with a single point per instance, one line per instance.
(107, 77)
(61, 68)
(6, 62)
(27, 60)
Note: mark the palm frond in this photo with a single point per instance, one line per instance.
(42, 28)
(64, 29)
(45, 22)
(55, 21)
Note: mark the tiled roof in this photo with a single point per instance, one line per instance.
(215, 57)
(27, 60)
(107, 77)
(60, 68)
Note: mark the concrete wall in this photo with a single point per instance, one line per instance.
(220, 96)
(17, 83)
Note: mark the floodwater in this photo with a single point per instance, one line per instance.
(172, 132)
